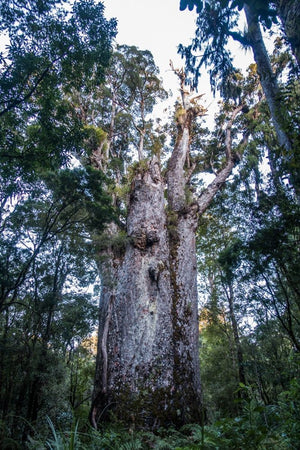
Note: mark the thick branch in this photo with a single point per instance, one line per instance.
(239, 38)
(211, 190)
(176, 178)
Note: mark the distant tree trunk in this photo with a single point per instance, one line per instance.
(267, 77)
(236, 336)
(289, 13)
(147, 370)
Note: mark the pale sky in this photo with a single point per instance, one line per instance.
(155, 25)
(159, 26)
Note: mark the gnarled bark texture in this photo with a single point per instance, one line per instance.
(142, 352)
(147, 372)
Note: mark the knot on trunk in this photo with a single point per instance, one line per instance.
(190, 210)
(142, 238)
(152, 238)
(155, 271)
(139, 239)
(154, 169)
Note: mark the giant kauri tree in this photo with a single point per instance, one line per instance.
(147, 372)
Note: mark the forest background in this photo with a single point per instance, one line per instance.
(65, 175)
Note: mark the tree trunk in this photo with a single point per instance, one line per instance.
(289, 13)
(235, 329)
(147, 371)
(135, 367)
(267, 77)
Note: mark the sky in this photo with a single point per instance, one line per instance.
(159, 26)
(155, 25)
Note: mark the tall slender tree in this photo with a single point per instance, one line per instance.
(51, 47)
(216, 25)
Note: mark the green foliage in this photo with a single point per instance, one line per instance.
(120, 107)
(216, 24)
(288, 413)
(264, 9)
(219, 379)
(51, 49)
(137, 168)
(248, 252)
(213, 25)
(46, 265)
(52, 42)
(84, 190)
(96, 138)
(230, 258)
(61, 441)
(116, 242)
(258, 427)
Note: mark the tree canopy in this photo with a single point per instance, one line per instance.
(82, 161)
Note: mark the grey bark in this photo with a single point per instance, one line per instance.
(148, 372)
(289, 13)
(267, 77)
(139, 364)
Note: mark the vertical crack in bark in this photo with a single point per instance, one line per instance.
(104, 344)
(182, 225)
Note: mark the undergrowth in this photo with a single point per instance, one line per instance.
(257, 427)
